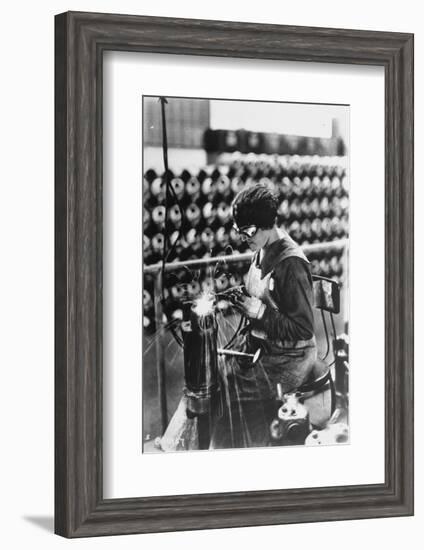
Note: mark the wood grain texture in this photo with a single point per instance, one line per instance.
(81, 39)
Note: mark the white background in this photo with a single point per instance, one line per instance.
(26, 286)
(128, 473)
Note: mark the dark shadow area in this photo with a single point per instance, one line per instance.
(44, 522)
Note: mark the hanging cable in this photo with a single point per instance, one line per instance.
(236, 333)
(164, 101)
(334, 333)
(326, 335)
(333, 326)
(168, 191)
(180, 231)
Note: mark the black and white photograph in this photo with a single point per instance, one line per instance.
(245, 274)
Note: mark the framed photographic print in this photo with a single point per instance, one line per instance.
(234, 274)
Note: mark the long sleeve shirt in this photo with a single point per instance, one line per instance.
(288, 315)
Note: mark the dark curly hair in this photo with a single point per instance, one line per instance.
(255, 205)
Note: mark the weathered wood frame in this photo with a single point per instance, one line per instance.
(81, 39)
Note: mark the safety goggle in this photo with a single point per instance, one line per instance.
(247, 232)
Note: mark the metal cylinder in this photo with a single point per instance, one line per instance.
(200, 359)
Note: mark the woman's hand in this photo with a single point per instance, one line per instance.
(250, 306)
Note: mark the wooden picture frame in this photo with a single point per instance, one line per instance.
(81, 39)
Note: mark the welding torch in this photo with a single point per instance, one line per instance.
(233, 353)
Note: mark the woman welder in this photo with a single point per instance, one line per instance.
(278, 303)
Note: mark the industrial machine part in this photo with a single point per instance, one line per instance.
(199, 333)
(332, 434)
(291, 427)
(199, 330)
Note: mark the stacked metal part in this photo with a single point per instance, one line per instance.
(313, 196)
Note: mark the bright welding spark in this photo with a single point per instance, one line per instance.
(204, 304)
